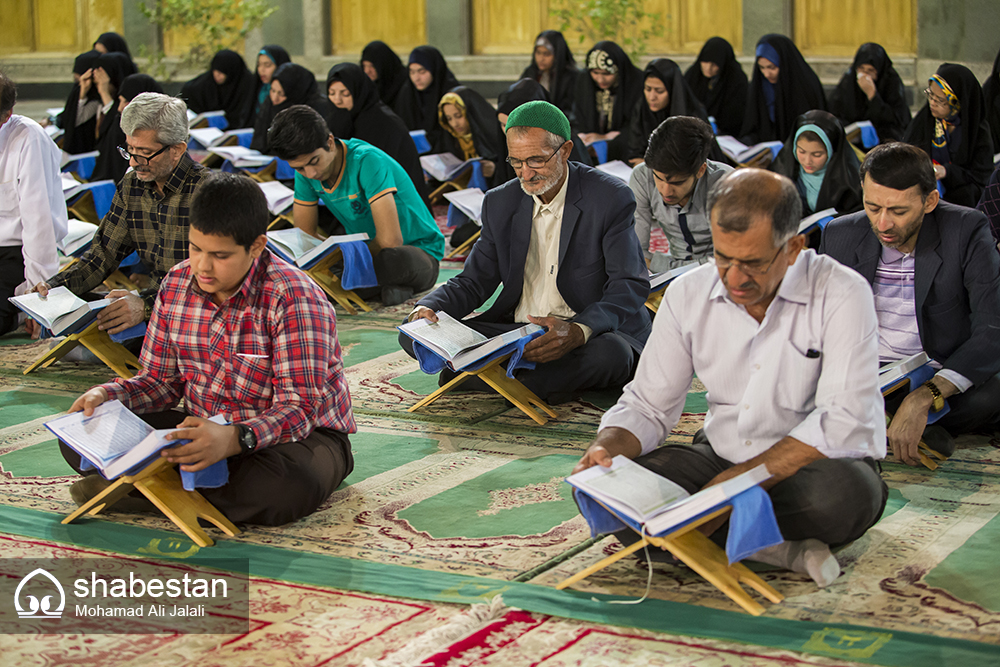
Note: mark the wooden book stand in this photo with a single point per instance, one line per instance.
(927, 455)
(655, 298)
(160, 483)
(495, 376)
(465, 247)
(82, 208)
(323, 276)
(111, 353)
(704, 557)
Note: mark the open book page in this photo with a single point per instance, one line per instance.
(468, 201)
(731, 146)
(60, 301)
(206, 136)
(78, 234)
(813, 219)
(492, 345)
(293, 242)
(658, 280)
(447, 337)
(616, 168)
(628, 488)
(444, 166)
(705, 500)
(890, 373)
(242, 157)
(104, 436)
(67, 158)
(279, 196)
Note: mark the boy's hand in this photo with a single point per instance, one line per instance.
(210, 442)
(87, 402)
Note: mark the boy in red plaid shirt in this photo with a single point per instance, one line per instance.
(235, 330)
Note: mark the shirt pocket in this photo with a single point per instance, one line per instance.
(9, 202)
(252, 378)
(797, 378)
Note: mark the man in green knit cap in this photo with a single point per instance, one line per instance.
(560, 240)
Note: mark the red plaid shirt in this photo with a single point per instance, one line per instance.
(268, 357)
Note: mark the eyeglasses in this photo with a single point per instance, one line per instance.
(139, 159)
(934, 99)
(534, 162)
(753, 268)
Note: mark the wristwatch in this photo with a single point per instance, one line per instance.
(147, 311)
(936, 393)
(246, 438)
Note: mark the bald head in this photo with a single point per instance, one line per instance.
(744, 196)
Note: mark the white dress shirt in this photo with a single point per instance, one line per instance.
(541, 297)
(809, 370)
(32, 208)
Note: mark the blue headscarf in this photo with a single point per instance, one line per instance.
(810, 184)
(765, 50)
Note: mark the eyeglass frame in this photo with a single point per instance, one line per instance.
(140, 160)
(727, 264)
(534, 157)
(934, 99)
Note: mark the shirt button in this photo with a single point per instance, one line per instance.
(756, 367)
(746, 406)
(747, 443)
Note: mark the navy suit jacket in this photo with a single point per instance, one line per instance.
(602, 273)
(957, 288)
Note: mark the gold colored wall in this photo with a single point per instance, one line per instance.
(400, 23)
(839, 27)
(60, 26)
(683, 26)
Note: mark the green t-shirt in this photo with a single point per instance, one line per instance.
(369, 174)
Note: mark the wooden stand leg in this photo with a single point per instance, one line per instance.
(119, 280)
(111, 353)
(655, 299)
(706, 558)
(441, 391)
(53, 355)
(162, 485)
(597, 567)
(323, 276)
(516, 393)
(465, 247)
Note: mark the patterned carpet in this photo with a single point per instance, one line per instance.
(469, 490)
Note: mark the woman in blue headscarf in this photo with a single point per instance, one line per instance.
(821, 162)
(783, 88)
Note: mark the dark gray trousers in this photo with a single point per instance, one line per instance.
(274, 485)
(605, 361)
(832, 500)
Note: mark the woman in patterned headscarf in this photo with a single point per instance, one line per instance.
(952, 129)
(606, 97)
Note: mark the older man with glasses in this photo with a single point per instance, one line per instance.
(560, 240)
(786, 343)
(149, 212)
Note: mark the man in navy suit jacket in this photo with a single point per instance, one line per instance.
(560, 240)
(936, 277)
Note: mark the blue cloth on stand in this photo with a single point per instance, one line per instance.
(752, 525)
(137, 331)
(869, 137)
(601, 150)
(358, 268)
(84, 167)
(420, 141)
(432, 364)
(102, 192)
(284, 171)
(218, 122)
(477, 180)
(212, 477)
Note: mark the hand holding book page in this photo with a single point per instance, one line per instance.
(458, 345)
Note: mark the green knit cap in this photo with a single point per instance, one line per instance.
(540, 114)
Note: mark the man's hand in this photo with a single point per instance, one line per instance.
(423, 313)
(42, 289)
(610, 443)
(561, 337)
(87, 402)
(128, 311)
(940, 171)
(210, 442)
(489, 168)
(867, 85)
(908, 424)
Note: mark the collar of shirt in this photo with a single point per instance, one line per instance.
(556, 205)
(890, 255)
(248, 288)
(794, 286)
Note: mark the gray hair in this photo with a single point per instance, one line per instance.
(744, 195)
(166, 115)
(552, 140)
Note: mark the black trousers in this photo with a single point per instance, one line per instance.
(833, 500)
(11, 275)
(274, 485)
(974, 411)
(605, 361)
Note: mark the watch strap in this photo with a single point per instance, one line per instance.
(936, 394)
